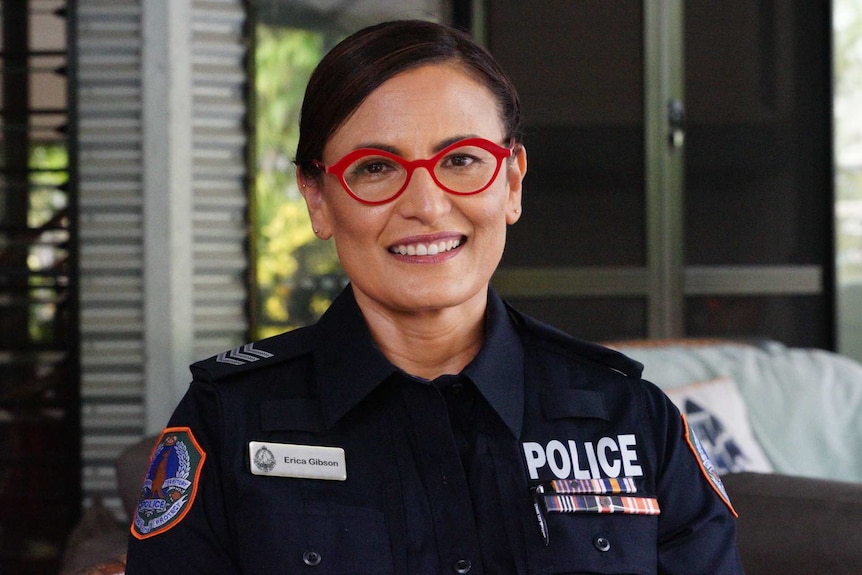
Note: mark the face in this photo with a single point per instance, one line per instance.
(427, 249)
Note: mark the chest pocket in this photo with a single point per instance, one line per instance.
(318, 526)
(597, 543)
(292, 536)
(338, 540)
(587, 542)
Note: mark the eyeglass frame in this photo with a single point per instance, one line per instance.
(338, 168)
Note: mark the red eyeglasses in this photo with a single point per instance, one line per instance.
(464, 168)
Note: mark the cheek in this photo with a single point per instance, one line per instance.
(357, 230)
(492, 214)
(350, 218)
(491, 225)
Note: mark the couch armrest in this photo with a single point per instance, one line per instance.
(796, 525)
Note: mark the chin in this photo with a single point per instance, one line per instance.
(439, 299)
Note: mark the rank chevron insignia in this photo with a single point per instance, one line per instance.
(242, 355)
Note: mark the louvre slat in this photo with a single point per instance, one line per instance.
(113, 10)
(116, 361)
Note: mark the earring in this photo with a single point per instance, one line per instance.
(316, 230)
(517, 210)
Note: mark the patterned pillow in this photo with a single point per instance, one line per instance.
(716, 412)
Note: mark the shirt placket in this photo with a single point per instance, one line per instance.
(443, 478)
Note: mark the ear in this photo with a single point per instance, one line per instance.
(516, 170)
(312, 191)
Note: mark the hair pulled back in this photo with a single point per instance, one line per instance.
(363, 61)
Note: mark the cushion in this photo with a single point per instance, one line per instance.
(716, 412)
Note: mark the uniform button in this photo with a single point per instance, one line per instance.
(602, 544)
(311, 558)
(462, 566)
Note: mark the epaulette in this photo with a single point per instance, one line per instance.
(568, 344)
(256, 355)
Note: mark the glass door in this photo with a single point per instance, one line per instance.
(680, 168)
(758, 185)
(578, 256)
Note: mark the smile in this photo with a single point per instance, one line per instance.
(422, 249)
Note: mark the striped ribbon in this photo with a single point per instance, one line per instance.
(611, 485)
(601, 504)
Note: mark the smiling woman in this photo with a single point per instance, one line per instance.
(418, 113)
(468, 437)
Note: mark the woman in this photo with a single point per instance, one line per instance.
(422, 426)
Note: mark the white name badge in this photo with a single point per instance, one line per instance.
(302, 461)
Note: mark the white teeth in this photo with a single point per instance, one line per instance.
(426, 249)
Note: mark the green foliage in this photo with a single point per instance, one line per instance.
(47, 215)
(847, 47)
(45, 199)
(297, 274)
(847, 58)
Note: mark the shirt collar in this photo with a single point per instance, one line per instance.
(350, 365)
(498, 369)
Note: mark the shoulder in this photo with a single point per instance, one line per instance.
(253, 356)
(554, 341)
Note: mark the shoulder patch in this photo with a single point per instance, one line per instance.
(171, 483)
(706, 466)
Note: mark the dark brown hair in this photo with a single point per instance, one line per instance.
(363, 61)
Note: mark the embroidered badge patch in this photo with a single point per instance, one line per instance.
(707, 468)
(171, 483)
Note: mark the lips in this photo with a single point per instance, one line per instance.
(426, 248)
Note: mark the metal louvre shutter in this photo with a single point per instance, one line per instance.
(113, 310)
(110, 205)
(220, 175)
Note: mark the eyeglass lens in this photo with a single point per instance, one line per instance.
(463, 170)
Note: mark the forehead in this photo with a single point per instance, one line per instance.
(421, 107)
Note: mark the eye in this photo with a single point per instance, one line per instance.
(461, 160)
(372, 167)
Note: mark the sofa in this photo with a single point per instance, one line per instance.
(784, 426)
(800, 408)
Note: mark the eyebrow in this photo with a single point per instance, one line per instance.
(394, 150)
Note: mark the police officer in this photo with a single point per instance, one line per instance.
(422, 425)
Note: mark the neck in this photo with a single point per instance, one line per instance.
(427, 343)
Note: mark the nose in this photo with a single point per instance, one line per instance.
(423, 198)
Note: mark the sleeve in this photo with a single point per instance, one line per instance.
(697, 524)
(181, 522)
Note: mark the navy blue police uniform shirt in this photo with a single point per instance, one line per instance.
(310, 452)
